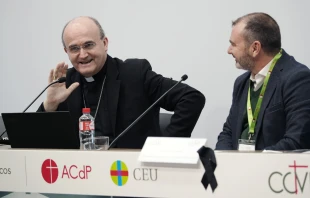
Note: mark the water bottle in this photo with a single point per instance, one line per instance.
(87, 129)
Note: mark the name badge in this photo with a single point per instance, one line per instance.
(246, 145)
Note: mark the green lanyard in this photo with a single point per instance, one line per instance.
(252, 120)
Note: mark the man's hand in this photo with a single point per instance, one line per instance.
(58, 92)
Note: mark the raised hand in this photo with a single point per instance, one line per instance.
(58, 92)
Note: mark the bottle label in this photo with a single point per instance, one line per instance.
(87, 126)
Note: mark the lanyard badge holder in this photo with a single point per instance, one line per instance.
(249, 144)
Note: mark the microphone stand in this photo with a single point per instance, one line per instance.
(183, 78)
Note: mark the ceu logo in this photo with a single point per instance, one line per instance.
(119, 173)
(49, 171)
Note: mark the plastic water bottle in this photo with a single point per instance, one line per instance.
(87, 129)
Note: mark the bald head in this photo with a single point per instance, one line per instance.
(86, 21)
(86, 45)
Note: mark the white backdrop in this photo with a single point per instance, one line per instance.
(177, 37)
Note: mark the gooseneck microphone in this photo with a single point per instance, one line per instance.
(183, 78)
(60, 80)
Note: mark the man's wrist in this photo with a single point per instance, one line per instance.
(50, 106)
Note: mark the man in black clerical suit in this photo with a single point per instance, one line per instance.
(117, 91)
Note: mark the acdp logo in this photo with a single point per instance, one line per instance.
(119, 173)
(292, 182)
(50, 171)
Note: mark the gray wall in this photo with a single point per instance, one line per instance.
(176, 36)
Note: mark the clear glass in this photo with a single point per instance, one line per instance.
(96, 143)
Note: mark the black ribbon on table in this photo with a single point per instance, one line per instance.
(208, 160)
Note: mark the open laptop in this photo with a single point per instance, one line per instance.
(2, 128)
(50, 130)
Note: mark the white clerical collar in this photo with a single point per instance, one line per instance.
(89, 79)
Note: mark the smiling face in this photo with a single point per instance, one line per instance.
(86, 50)
(239, 49)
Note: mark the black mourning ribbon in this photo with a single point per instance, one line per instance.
(208, 160)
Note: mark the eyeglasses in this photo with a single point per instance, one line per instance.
(74, 49)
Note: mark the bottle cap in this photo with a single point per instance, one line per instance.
(86, 110)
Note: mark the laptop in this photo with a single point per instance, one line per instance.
(46, 130)
(2, 128)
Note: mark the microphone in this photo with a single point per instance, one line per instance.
(60, 80)
(183, 78)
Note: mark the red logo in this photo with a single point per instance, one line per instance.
(49, 171)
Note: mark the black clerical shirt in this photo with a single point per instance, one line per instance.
(91, 93)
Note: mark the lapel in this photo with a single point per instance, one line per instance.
(75, 99)
(270, 89)
(113, 87)
(242, 106)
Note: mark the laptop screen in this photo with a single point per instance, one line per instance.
(51, 130)
(2, 128)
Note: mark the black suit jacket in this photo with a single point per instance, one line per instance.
(284, 119)
(131, 87)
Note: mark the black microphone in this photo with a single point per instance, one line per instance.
(60, 80)
(183, 78)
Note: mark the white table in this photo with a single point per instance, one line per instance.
(89, 173)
